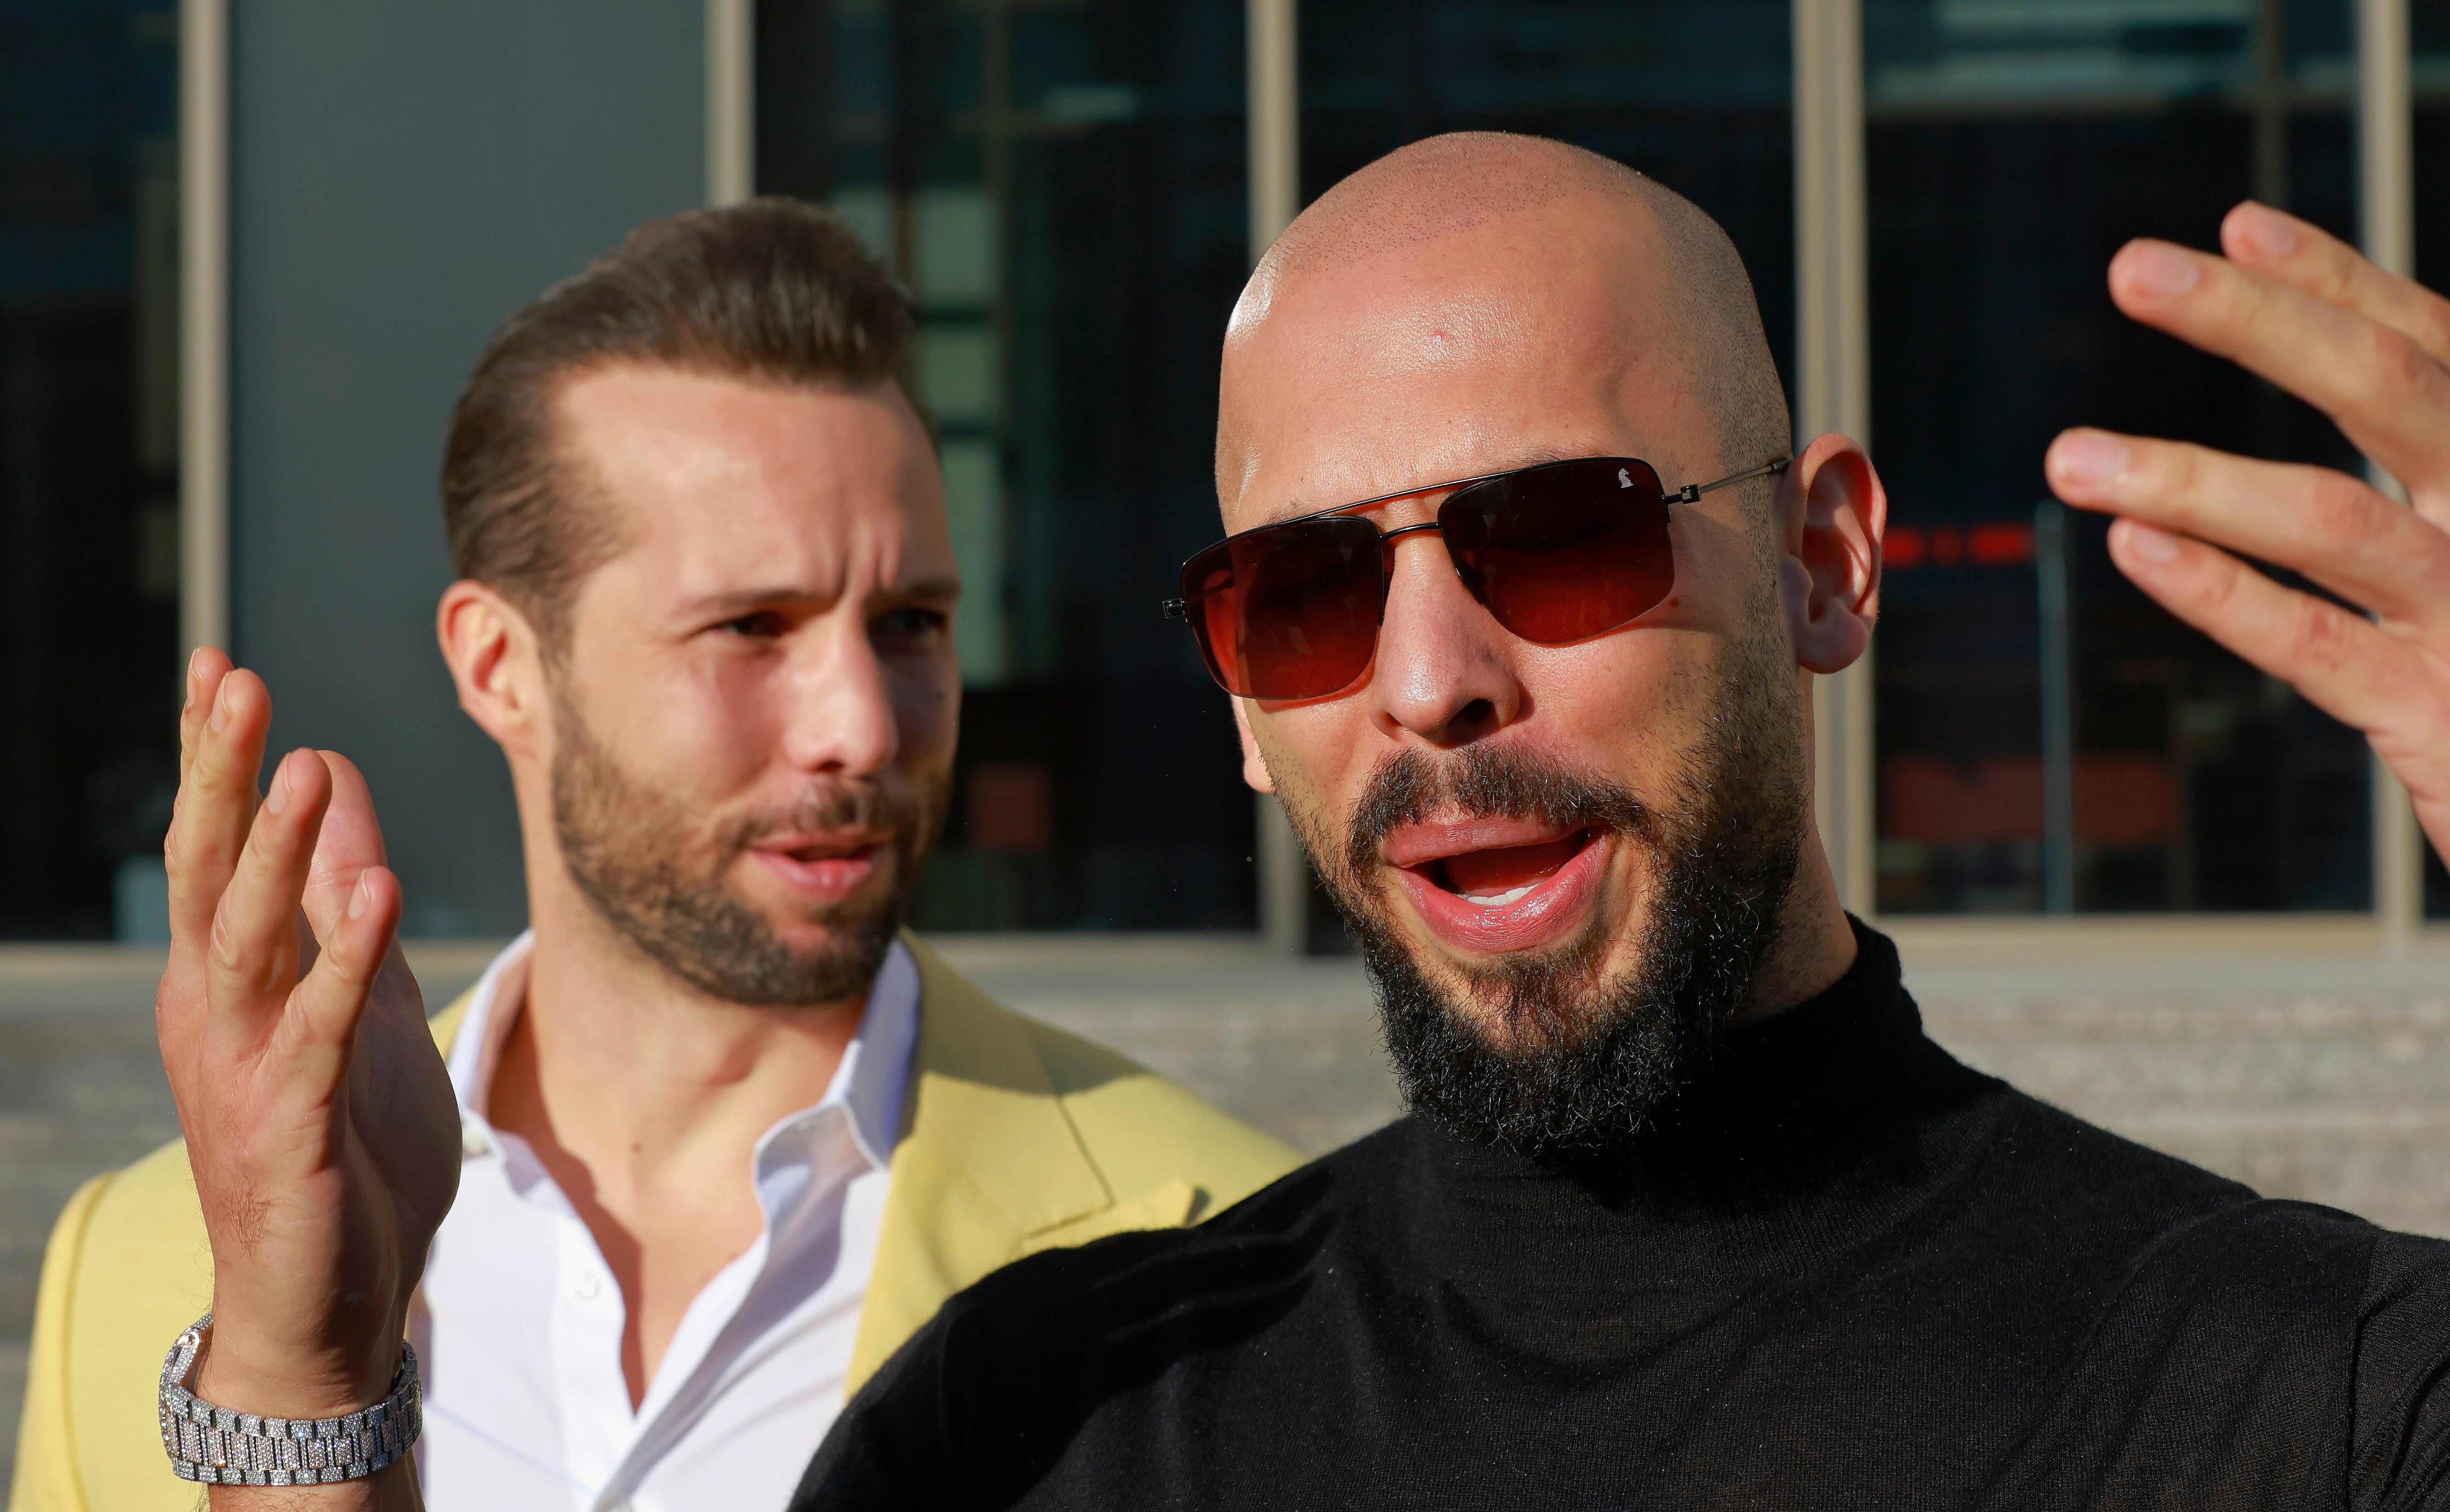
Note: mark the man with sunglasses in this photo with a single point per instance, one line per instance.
(1689, 1211)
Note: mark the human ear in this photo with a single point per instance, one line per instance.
(496, 662)
(1831, 512)
(1254, 770)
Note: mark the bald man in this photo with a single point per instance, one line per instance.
(1520, 613)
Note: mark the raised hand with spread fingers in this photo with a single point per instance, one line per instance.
(2372, 350)
(319, 1119)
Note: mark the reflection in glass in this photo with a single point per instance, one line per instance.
(1063, 185)
(2429, 75)
(1694, 95)
(88, 461)
(2013, 145)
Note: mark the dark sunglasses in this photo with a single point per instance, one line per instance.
(1556, 553)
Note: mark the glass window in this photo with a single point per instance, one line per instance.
(2429, 75)
(1063, 186)
(1694, 95)
(88, 485)
(2046, 735)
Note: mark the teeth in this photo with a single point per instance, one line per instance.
(1498, 900)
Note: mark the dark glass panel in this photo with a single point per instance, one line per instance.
(1694, 95)
(2014, 146)
(1063, 186)
(89, 487)
(2429, 70)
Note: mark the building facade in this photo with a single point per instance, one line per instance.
(236, 302)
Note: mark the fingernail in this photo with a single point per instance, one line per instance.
(194, 682)
(2267, 231)
(221, 706)
(2090, 456)
(2150, 542)
(357, 897)
(276, 797)
(2161, 270)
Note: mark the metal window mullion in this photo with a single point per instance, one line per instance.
(203, 325)
(1833, 384)
(2386, 208)
(731, 101)
(1273, 105)
(1273, 80)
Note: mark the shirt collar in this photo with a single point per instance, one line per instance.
(875, 1068)
(869, 1084)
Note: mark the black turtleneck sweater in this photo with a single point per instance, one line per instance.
(1844, 1271)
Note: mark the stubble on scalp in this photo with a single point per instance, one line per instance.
(1445, 184)
(649, 868)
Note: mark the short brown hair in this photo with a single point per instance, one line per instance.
(773, 288)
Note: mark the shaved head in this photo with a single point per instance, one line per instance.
(1568, 864)
(1684, 289)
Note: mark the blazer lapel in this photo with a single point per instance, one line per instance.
(988, 1162)
(988, 1167)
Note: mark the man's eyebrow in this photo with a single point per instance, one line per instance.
(1540, 455)
(1527, 457)
(939, 585)
(934, 586)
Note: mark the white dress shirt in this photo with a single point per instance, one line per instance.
(519, 1323)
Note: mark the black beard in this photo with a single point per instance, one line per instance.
(1561, 1063)
(634, 854)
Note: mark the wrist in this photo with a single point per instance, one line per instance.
(248, 1369)
(219, 1445)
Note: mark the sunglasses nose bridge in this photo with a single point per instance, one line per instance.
(1386, 540)
(1470, 580)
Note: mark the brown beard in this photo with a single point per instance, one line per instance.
(647, 863)
(1561, 1058)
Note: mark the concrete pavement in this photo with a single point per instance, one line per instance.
(2287, 1054)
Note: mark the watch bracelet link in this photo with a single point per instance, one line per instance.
(216, 1445)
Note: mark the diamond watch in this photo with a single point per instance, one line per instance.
(216, 1446)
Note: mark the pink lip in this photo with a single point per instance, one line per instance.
(822, 867)
(1550, 910)
(1424, 841)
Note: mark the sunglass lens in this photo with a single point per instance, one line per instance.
(1290, 613)
(1565, 553)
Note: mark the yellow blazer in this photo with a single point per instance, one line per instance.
(1016, 1138)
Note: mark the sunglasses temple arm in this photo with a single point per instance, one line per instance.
(1691, 492)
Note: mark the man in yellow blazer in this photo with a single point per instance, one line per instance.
(705, 1146)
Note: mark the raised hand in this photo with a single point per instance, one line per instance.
(319, 1119)
(2370, 350)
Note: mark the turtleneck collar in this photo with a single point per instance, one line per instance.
(1806, 1133)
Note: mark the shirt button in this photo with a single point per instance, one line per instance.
(584, 1287)
(613, 1503)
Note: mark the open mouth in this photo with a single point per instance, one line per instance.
(822, 867)
(1493, 885)
(1506, 874)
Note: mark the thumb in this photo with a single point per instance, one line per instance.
(321, 1024)
(350, 842)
